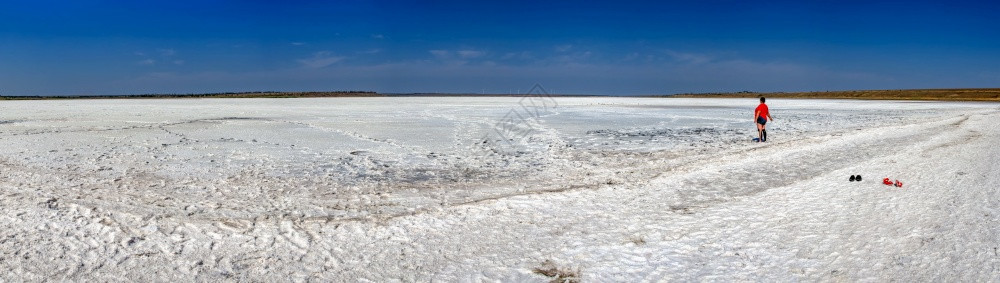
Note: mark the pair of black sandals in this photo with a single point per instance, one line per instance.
(855, 178)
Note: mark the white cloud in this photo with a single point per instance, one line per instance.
(159, 55)
(370, 51)
(166, 52)
(523, 55)
(564, 48)
(441, 54)
(469, 54)
(575, 71)
(691, 58)
(495, 76)
(298, 43)
(457, 57)
(575, 58)
(320, 59)
(449, 57)
(378, 36)
(462, 54)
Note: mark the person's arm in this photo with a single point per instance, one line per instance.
(756, 113)
(769, 117)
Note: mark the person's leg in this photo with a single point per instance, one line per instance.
(760, 133)
(763, 133)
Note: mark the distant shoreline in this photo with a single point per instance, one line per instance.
(966, 94)
(267, 94)
(969, 94)
(279, 95)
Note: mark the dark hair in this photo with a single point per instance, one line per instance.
(761, 99)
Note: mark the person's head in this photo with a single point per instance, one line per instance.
(761, 99)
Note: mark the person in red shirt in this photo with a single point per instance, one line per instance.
(761, 115)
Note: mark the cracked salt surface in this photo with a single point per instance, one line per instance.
(601, 189)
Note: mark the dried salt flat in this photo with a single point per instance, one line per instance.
(458, 189)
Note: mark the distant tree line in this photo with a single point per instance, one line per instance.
(252, 94)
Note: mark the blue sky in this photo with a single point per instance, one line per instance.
(614, 47)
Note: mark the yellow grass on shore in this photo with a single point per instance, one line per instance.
(968, 94)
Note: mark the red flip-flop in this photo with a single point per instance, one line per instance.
(899, 184)
(886, 181)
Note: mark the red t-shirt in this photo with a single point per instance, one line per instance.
(762, 111)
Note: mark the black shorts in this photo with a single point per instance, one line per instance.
(761, 120)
